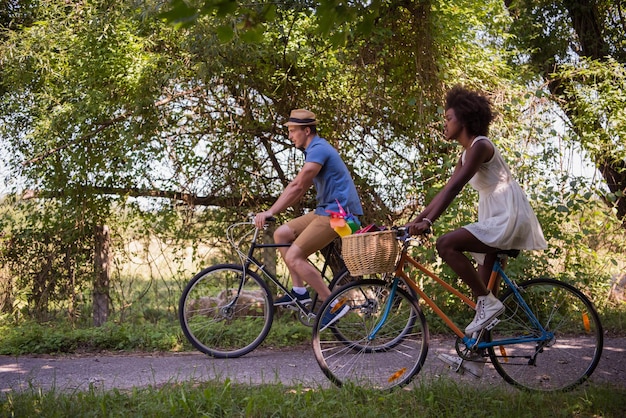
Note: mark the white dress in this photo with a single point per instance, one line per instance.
(505, 217)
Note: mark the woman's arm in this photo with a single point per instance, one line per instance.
(480, 152)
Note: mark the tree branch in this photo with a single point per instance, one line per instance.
(187, 198)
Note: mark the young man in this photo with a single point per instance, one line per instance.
(323, 168)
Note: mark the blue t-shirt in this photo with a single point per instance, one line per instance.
(333, 181)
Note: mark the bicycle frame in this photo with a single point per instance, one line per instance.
(248, 259)
(496, 272)
(470, 342)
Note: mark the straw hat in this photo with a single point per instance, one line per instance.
(301, 117)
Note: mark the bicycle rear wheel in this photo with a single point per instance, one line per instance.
(349, 353)
(223, 316)
(564, 361)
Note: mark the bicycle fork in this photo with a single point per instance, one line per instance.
(385, 315)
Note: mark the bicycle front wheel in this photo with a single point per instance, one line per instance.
(224, 314)
(381, 342)
(561, 362)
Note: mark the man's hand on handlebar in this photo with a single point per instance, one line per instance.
(261, 218)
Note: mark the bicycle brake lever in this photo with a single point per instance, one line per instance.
(402, 233)
(269, 220)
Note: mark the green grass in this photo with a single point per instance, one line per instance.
(29, 337)
(34, 338)
(439, 398)
(614, 319)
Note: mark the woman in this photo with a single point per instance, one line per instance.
(505, 219)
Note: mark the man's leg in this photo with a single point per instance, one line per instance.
(317, 234)
(285, 235)
(300, 268)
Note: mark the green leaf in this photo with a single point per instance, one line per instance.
(225, 33)
(226, 7)
(179, 13)
(269, 12)
(253, 35)
(339, 38)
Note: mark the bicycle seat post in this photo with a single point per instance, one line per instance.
(499, 264)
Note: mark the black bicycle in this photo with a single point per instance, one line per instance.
(227, 310)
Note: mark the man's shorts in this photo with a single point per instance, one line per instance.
(313, 232)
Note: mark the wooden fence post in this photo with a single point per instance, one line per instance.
(102, 269)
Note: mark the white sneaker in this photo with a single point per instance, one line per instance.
(488, 307)
(473, 367)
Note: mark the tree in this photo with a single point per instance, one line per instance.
(577, 47)
(101, 102)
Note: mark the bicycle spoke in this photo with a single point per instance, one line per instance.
(349, 353)
(563, 359)
(223, 318)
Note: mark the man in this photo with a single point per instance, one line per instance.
(324, 168)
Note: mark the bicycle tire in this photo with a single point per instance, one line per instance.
(392, 358)
(345, 278)
(565, 361)
(213, 324)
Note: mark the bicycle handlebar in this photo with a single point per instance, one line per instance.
(402, 234)
(268, 220)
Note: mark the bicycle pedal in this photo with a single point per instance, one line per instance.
(492, 324)
(455, 364)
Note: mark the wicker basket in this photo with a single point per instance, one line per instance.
(370, 253)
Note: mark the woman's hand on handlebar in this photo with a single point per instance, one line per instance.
(418, 228)
(261, 218)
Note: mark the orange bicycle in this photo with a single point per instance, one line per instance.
(548, 339)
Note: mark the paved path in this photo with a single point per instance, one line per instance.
(291, 367)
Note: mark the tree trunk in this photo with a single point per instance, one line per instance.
(6, 290)
(102, 279)
(588, 24)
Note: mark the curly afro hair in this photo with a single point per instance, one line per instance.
(471, 108)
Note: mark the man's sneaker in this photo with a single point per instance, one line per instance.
(456, 363)
(488, 307)
(333, 314)
(286, 300)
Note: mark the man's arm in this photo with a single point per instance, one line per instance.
(292, 193)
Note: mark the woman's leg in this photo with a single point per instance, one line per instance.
(484, 271)
(451, 248)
